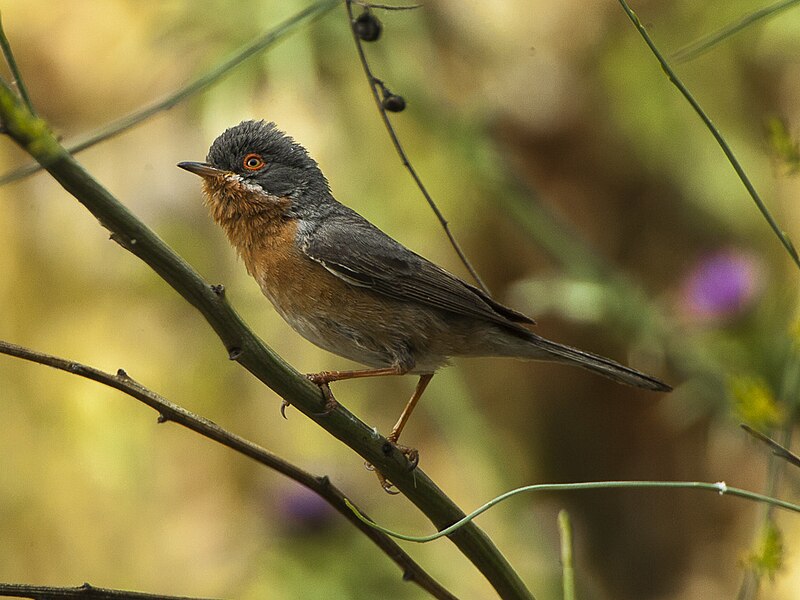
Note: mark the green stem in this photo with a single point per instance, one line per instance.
(721, 488)
(169, 411)
(789, 392)
(704, 44)
(216, 74)
(15, 72)
(782, 235)
(567, 566)
(32, 134)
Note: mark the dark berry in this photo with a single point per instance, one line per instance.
(394, 103)
(367, 26)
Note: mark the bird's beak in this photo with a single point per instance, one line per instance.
(202, 169)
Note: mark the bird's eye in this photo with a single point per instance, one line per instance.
(253, 162)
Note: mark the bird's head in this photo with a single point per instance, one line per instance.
(254, 168)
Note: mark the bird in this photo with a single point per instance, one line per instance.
(348, 287)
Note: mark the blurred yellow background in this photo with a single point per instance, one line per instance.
(544, 131)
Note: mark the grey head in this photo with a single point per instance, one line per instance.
(262, 155)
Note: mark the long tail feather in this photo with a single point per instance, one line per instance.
(598, 364)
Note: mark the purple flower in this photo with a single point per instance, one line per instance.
(300, 509)
(722, 284)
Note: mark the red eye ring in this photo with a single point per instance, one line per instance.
(253, 162)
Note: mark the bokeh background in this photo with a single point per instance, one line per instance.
(582, 186)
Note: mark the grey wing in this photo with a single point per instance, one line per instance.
(353, 249)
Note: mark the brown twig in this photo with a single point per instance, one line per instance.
(374, 84)
(777, 449)
(83, 592)
(196, 86)
(169, 411)
(387, 6)
(34, 136)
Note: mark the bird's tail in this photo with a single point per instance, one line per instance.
(547, 350)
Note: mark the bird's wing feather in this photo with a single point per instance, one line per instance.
(361, 254)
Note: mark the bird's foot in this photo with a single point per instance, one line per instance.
(411, 455)
(387, 485)
(321, 380)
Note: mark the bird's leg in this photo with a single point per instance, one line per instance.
(323, 378)
(411, 454)
(423, 382)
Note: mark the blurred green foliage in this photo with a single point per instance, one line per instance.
(769, 557)
(754, 403)
(785, 147)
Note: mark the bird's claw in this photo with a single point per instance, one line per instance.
(321, 380)
(330, 402)
(412, 456)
